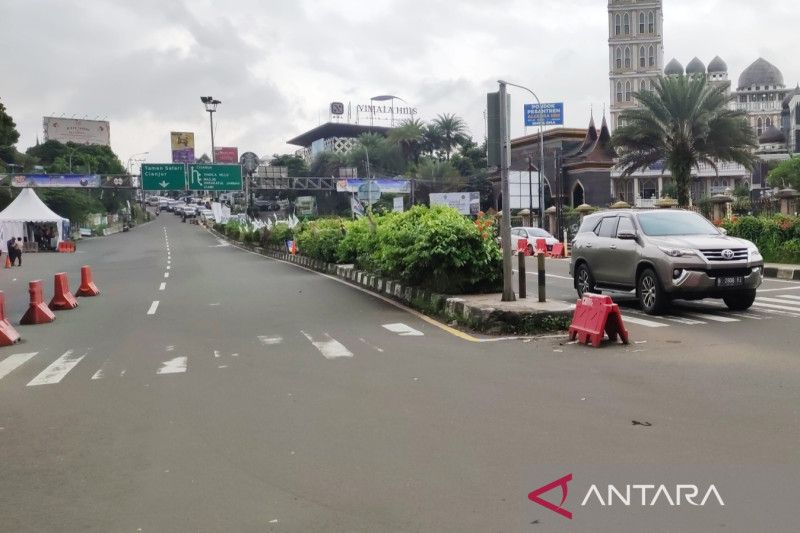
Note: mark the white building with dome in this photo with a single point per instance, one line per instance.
(760, 92)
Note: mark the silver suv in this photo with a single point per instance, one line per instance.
(664, 255)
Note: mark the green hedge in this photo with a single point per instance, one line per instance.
(437, 248)
(777, 236)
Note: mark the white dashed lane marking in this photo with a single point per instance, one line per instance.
(174, 366)
(330, 348)
(153, 307)
(162, 286)
(403, 330)
(12, 362)
(58, 369)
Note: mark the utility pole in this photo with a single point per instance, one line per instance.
(505, 222)
(530, 191)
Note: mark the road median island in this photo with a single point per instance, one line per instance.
(484, 313)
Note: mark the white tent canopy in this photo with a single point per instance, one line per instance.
(27, 208)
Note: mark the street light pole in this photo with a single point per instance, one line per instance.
(541, 156)
(131, 160)
(211, 106)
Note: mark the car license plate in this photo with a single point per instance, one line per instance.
(730, 281)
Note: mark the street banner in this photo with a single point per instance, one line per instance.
(182, 143)
(80, 181)
(388, 186)
(544, 114)
(226, 154)
(467, 203)
(119, 182)
(398, 204)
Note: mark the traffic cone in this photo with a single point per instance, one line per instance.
(8, 335)
(87, 288)
(38, 312)
(8, 262)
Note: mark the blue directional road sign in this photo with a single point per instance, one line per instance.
(544, 114)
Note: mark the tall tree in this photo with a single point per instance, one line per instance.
(684, 122)
(8, 136)
(431, 139)
(453, 130)
(786, 174)
(296, 165)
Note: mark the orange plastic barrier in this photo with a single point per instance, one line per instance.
(595, 316)
(8, 335)
(541, 246)
(522, 247)
(38, 312)
(557, 251)
(62, 297)
(87, 288)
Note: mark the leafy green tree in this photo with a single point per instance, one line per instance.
(8, 137)
(432, 139)
(453, 130)
(684, 121)
(786, 174)
(385, 158)
(296, 165)
(327, 164)
(408, 136)
(439, 175)
(57, 158)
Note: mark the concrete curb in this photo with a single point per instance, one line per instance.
(782, 273)
(478, 317)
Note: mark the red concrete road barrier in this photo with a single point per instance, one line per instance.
(87, 288)
(62, 297)
(38, 312)
(8, 335)
(522, 247)
(541, 246)
(595, 316)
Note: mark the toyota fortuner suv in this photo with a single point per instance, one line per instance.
(664, 255)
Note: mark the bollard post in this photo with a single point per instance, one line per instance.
(523, 282)
(542, 294)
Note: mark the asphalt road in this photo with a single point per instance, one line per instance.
(258, 396)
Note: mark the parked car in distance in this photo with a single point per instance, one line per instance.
(163, 204)
(531, 234)
(664, 255)
(266, 204)
(153, 201)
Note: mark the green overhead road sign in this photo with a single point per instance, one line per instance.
(215, 177)
(164, 177)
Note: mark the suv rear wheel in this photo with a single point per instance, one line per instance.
(740, 301)
(584, 281)
(651, 296)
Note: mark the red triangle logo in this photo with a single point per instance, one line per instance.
(534, 496)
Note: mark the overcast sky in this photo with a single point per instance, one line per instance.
(277, 64)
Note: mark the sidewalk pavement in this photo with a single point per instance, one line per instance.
(781, 271)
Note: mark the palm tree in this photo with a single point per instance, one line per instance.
(408, 136)
(453, 130)
(684, 122)
(432, 139)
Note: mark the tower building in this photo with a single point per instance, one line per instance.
(635, 50)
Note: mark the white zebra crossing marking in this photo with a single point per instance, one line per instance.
(270, 341)
(10, 363)
(760, 303)
(331, 348)
(58, 369)
(643, 322)
(679, 320)
(790, 296)
(779, 301)
(174, 366)
(713, 318)
(403, 330)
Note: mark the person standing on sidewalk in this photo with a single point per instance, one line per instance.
(10, 243)
(18, 251)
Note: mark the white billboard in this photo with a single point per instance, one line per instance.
(77, 130)
(519, 184)
(467, 203)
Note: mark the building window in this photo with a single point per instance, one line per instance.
(769, 122)
(617, 27)
(652, 55)
(626, 22)
(642, 86)
(648, 188)
(759, 127)
(618, 54)
(627, 91)
(641, 23)
(619, 91)
(627, 57)
(651, 23)
(642, 58)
